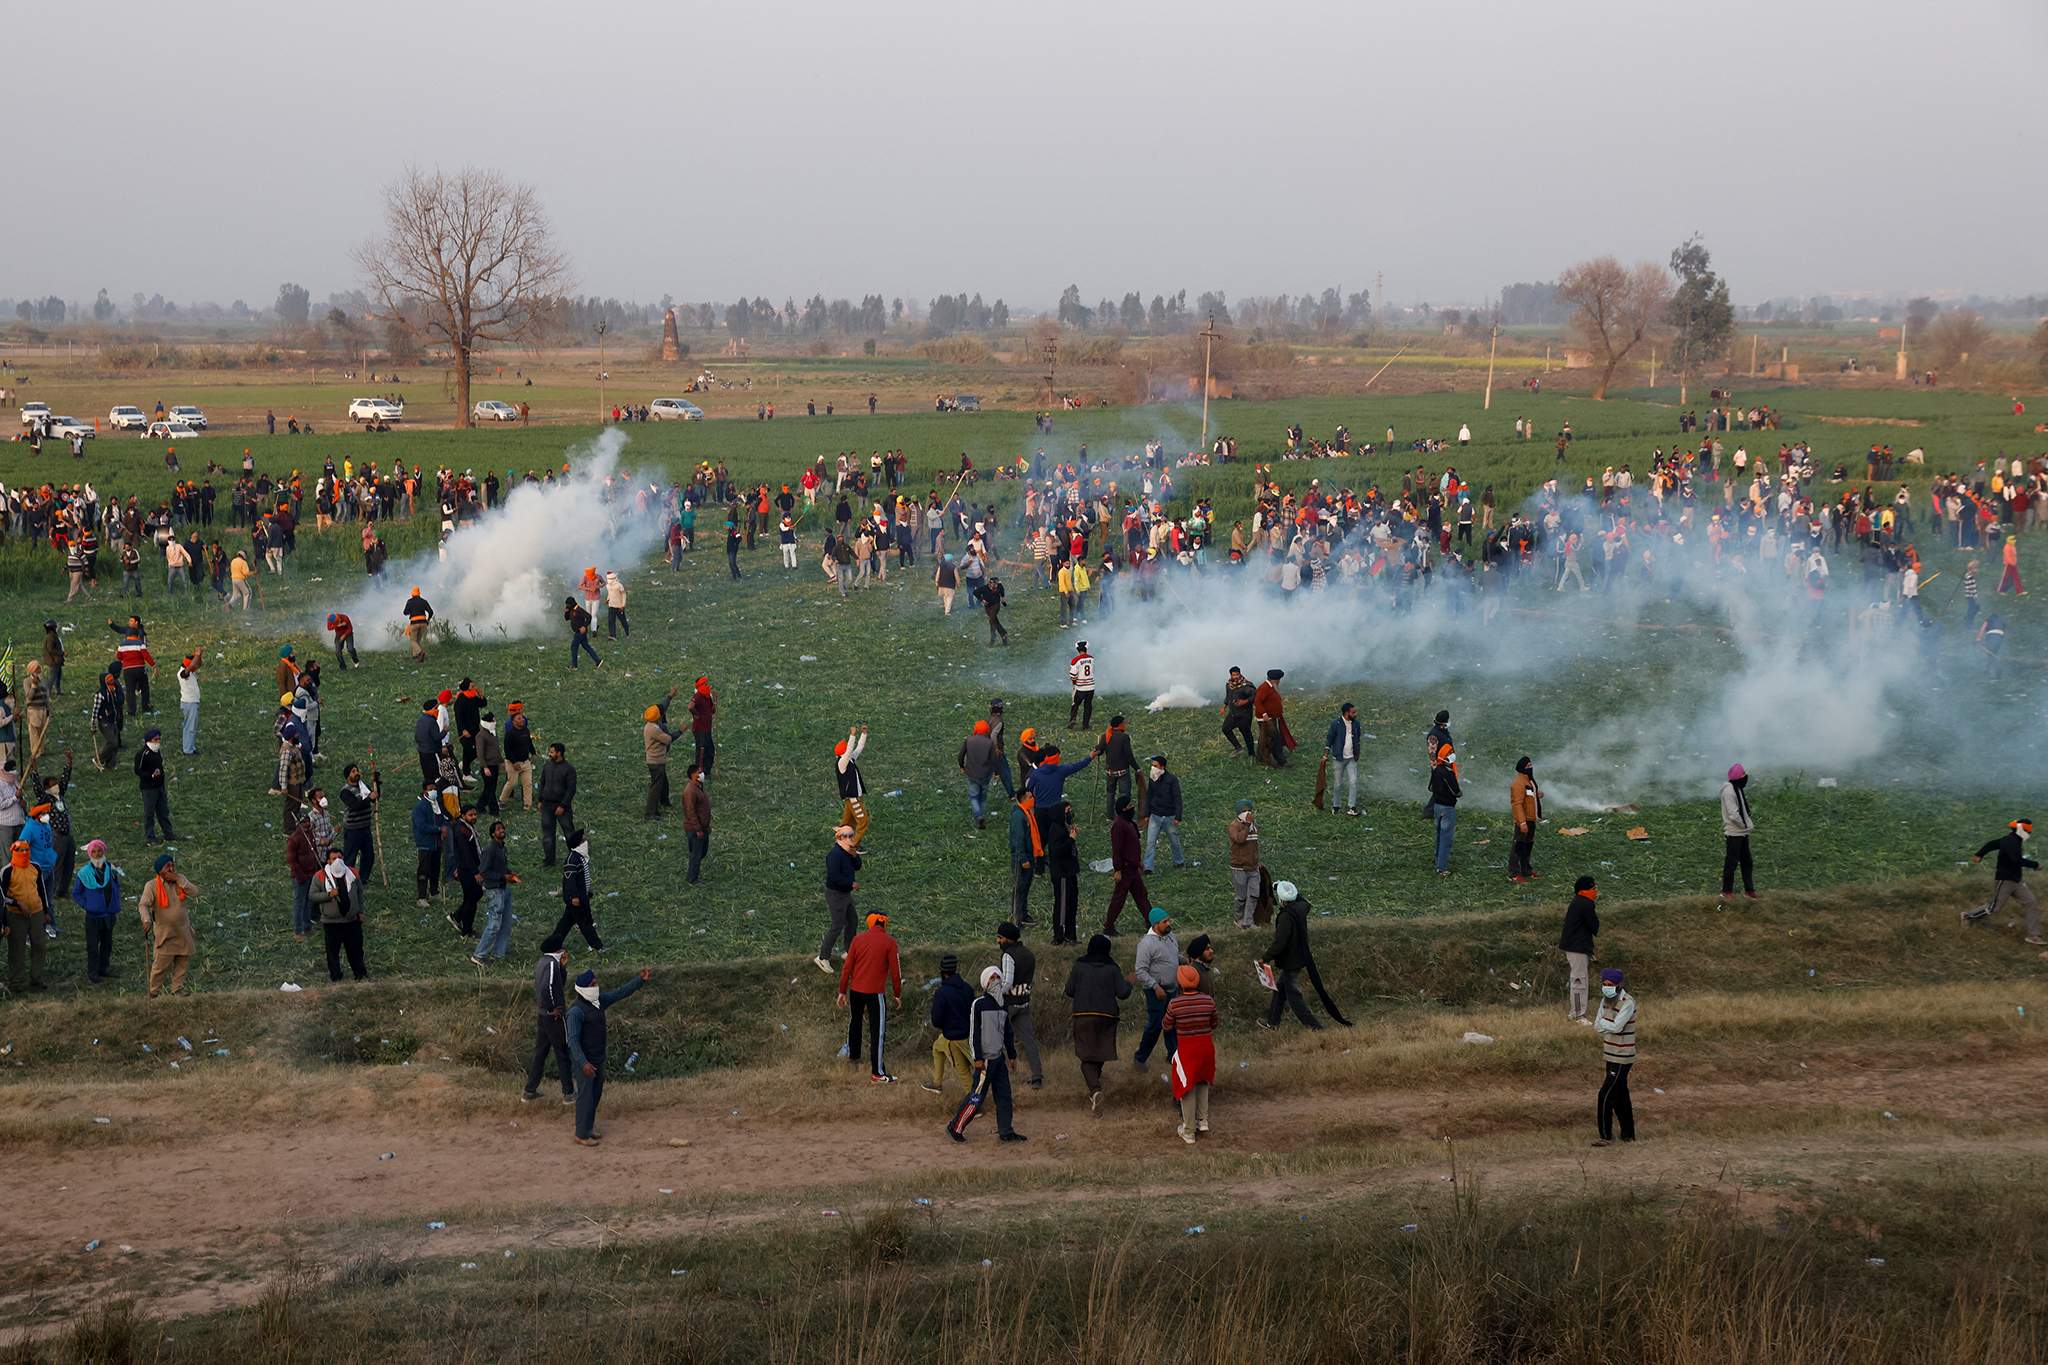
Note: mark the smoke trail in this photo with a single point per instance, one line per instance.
(507, 571)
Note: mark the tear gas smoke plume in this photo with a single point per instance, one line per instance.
(507, 571)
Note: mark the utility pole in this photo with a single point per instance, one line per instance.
(603, 410)
(1904, 322)
(1208, 343)
(1653, 367)
(1492, 347)
(1752, 355)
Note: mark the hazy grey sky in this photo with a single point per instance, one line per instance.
(777, 147)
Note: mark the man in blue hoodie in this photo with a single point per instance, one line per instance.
(96, 889)
(586, 1030)
(951, 1003)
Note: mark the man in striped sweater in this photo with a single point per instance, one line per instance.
(1616, 1028)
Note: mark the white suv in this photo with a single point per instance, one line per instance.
(675, 409)
(127, 417)
(32, 413)
(190, 416)
(367, 410)
(67, 427)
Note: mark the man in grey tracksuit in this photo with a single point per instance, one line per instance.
(550, 992)
(586, 1029)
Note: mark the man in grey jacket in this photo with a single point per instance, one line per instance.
(978, 763)
(1156, 970)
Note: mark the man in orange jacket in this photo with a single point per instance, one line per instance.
(871, 963)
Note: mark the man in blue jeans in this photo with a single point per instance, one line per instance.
(498, 882)
(1444, 792)
(1156, 971)
(586, 1030)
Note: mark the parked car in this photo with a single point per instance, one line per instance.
(169, 431)
(966, 402)
(367, 410)
(675, 409)
(65, 428)
(491, 410)
(32, 413)
(126, 418)
(189, 415)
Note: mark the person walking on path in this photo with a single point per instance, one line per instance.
(987, 1034)
(1019, 967)
(696, 822)
(166, 918)
(498, 880)
(1616, 1027)
(149, 777)
(871, 966)
(1125, 856)
(1525, 809)
(96, 889)
(1341, 747)
(578, 620)
(1444, 792)
(1095, 985)
(550, 1031)
(2011, 866)
(338, 896)
(1163, 811)
(1191, 1019)
(1737, 824)
(1581, 927)
(1157, 960)
(1288, 956)
(703, 706)
(21, 897)
(576, 895)
(842, 870)
(586, 1029)
(952, 1001)
(1243, 834)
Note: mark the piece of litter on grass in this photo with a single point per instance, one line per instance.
(93, 1245)
(665, 1190)
(897, 792)
(220, 1052)
(127, 1250)
(1471, 1037)
(469, 1265)
(1890, 1115)
(674, 1273)
(147, 1048)
(1514, 985)
(436, 1226)
(1242, 1065)
(101, 1119)
(631, 1059)
(829, 1213)
(1411, 1227)
(1639, 834)
(1828, 782)
(510, 1255)
(1575, 831)
(986, 1263)
(1197, 1230)
(289, 986)
(388, 1156)
(922, 1202)
(1875, 1262)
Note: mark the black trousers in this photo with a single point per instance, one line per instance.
(861, 1005)
(468, 754)
(430, 769)
(1289, 996)
(426, 878)
(1736, 855)
(344, 937)
(1082, 706)
(700, 849)
(359, 850)
(487, 790)
(577, 917)
(472, 893)
(1066, 903)
(549, 1038)
(1519, 851)
(549, 823)
(99, 946)
(1614, 1103)
(657, 789)
(135, 682)
(1020, 892)
(1240, 725)
(615, 617)
(156, 811)
(707, 749)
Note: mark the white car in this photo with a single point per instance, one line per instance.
(31, 413)
(491, 410)
(189, 415)
(126, 418)
(678, 409)
(64, 428)
(169, 431)
(367, 410)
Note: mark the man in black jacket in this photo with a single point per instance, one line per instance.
(579, 631)
(2012, 862)
(1288, 956)
(1581, 926)
(550, 990)
(468, 872)
(468, 712)
(149, 775)
(1162, 811)
(1444, 792)
(1114, 749)
(557, 793)
(576, 904)
(426, 740)
(1236, 710)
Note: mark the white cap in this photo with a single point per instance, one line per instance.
(1285, 891)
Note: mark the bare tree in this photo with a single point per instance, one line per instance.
(1955, 336)
(1614, 308)
(464, 260)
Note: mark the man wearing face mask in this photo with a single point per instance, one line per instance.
(149, 777)
(490, 756)
(2012, 862)
(1616, 1026)
(1162, 811)
(338, 895)
(42, 855)
(1581, 928)
(576, 894)
(1525, 809)
(987, 1031)
(586, 1029)
(97, 891)
(550, 990)
(1736, 826)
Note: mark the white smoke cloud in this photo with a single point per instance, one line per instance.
(507, 572)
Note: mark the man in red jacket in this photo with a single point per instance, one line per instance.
(1126, 856)
(871, 963)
